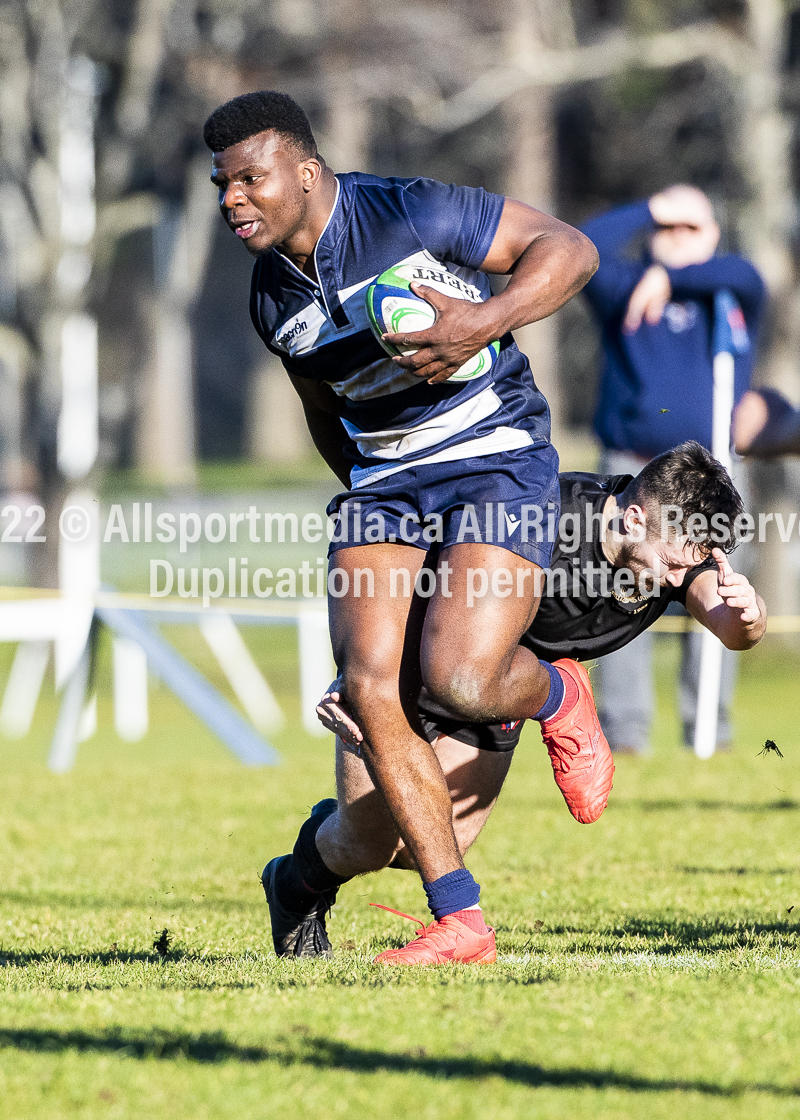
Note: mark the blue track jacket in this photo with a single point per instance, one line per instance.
(656, 385)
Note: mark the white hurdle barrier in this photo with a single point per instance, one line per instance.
(35, 622)
(87, 724)
(67, 733)
(316, 666)
(244, 676)
(131, 714)
(23, 688)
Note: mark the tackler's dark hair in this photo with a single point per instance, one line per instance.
(690, 480)
(266, 110)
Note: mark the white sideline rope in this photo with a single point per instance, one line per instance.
(290, 610)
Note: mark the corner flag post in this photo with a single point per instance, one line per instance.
(730, 338)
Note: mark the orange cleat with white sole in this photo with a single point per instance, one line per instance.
(583, 766)
(443, 942)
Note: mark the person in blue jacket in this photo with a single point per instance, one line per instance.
(654, 302)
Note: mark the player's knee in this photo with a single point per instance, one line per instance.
(371, 844)
(374, 857)
(368, 691)
(462, 689)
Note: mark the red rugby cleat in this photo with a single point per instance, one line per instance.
(443, 942)
(583, 766)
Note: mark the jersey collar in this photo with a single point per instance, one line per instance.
(326, 284)
(325, 258)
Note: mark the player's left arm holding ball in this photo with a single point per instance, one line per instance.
(725, 602)
(548, 262)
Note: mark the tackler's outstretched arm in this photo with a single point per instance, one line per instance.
(726, 603)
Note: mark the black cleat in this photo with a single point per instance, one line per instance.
(293, 934)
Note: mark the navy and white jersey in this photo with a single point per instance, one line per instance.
(320, 330)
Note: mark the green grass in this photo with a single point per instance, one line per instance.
(648, 967)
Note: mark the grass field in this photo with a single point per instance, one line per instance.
(649, 965)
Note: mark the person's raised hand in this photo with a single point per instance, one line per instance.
(461, 331)
(334, 716)
(648, 299)
(681, 205)
(735, 589)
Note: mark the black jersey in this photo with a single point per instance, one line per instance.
(582, 614)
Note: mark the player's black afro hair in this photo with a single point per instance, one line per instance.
(251, 113)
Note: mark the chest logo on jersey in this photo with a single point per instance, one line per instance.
(680, 317)
(291, 333)
(299, 334)
(629, 602)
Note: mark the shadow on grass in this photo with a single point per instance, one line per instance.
(166, 902)
(738, 870)
(670, 937)
(107, 957)
(325, 1054)
(704, 805)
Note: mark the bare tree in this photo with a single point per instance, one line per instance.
(479, 82)
(531, 29)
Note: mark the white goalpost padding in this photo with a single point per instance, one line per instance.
(708, 687)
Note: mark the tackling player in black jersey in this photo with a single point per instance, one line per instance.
(626, 548)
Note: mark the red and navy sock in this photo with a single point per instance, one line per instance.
(562, 697)
(456, 894)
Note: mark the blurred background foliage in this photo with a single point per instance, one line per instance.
(571, 106)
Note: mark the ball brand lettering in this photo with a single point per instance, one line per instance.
(423, 274)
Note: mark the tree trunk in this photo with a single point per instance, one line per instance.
(276, 428)
(165, 444)
(347, 126)
(529, 177)
(765, 144)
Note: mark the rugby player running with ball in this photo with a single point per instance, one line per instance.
(424, 448)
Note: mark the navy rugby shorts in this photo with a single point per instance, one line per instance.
(501, 738)
(510, 499)
(436, 721)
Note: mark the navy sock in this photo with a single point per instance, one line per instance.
(555, 697)
(452, 892)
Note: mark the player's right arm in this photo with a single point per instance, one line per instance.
(548, 262)
(727, 604)
(739, 275)
(324, 425)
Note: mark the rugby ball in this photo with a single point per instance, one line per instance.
(393, 308)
